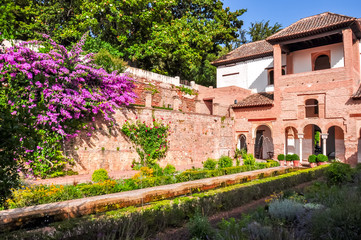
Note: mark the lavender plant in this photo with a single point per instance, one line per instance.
(49, 96)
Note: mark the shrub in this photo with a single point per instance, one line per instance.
(312, 158)
(322, 158)
(285, 209)
(169, 170)
(210, 164)
(281, 157)
(249, 159)
(295, 157)
(289, 157)
(200, 228)
(100, 175)
(338, 173)
(157, 170)
(225, 161)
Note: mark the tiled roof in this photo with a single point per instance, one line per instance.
(357, 95)
(256, 100)
(246, 52)
(312, 25)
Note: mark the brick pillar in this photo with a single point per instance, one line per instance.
(347, 51)
(351, 151)
(176, 103)
(215, 109)
(277, 66)
(148, 99)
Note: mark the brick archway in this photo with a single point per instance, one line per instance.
(335, 143)
(263, 142)
(312, 142)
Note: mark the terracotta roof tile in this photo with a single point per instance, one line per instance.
(357, 95)
(246, 52)
(312, 25)
(256, 100)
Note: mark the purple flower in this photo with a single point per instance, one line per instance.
(14, 113)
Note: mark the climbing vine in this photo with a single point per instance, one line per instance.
(150, 139)
(48, 94)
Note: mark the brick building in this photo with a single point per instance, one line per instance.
(305, 81)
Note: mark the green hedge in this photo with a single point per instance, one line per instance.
(40, 194)
(130, 223)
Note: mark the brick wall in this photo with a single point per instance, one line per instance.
(194, 138)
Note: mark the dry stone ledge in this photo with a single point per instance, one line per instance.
(14, 218)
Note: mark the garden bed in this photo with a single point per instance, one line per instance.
(173, 213)
(74, 208)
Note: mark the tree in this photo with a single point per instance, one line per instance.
(262, 30)
(172, 37)
(47, 97)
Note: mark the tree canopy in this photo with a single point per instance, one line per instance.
(262, 30)
(172, 37)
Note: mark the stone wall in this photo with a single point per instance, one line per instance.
(194, 137)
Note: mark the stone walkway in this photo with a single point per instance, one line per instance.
(82, 178)
(13, 218)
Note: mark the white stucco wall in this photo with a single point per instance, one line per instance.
(252, 74)
(302, 59)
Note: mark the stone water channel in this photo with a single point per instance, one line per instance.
(33, 215)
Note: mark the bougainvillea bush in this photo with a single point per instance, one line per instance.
(49, 95)
(150, 139)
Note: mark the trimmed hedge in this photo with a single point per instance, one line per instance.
(322, 158)
(130, 223)
(281, 157)
(312, 158)
(40, 194)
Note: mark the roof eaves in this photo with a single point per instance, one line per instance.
(274, 39)
(241, 59)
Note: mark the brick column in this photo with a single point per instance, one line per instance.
(324, 137)
(277, 68)
(347, 51)
(176, 103)
(148, 99)
(300, 137)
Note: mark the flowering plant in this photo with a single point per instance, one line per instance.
(150, 139)
(51, 93)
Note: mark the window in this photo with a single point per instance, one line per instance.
(321, 60)
(271, 79)
(311, 108)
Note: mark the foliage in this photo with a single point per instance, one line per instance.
(177, 38)
(187, 90)
(224, 162)
(100, 175)
(169, 170)
(49, 96)
(285, 209)
(109, 62)
(210, 164)
(339, 173)
(130, 223)
(289, 157)
(39, 194)
(199, 227)
(262, 30)
(317, 138)
(150, 139)
(312, 158)
(322, 158)
(281, 157)
(249, 159)
(295, 157)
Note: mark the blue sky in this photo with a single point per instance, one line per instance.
(287, 12)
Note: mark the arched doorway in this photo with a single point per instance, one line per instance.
(242, 143)
(312, 142)
(335, 144)
(263, 146)
(292, 141)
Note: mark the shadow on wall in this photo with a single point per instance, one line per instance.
(97, 140)
(261, 81)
